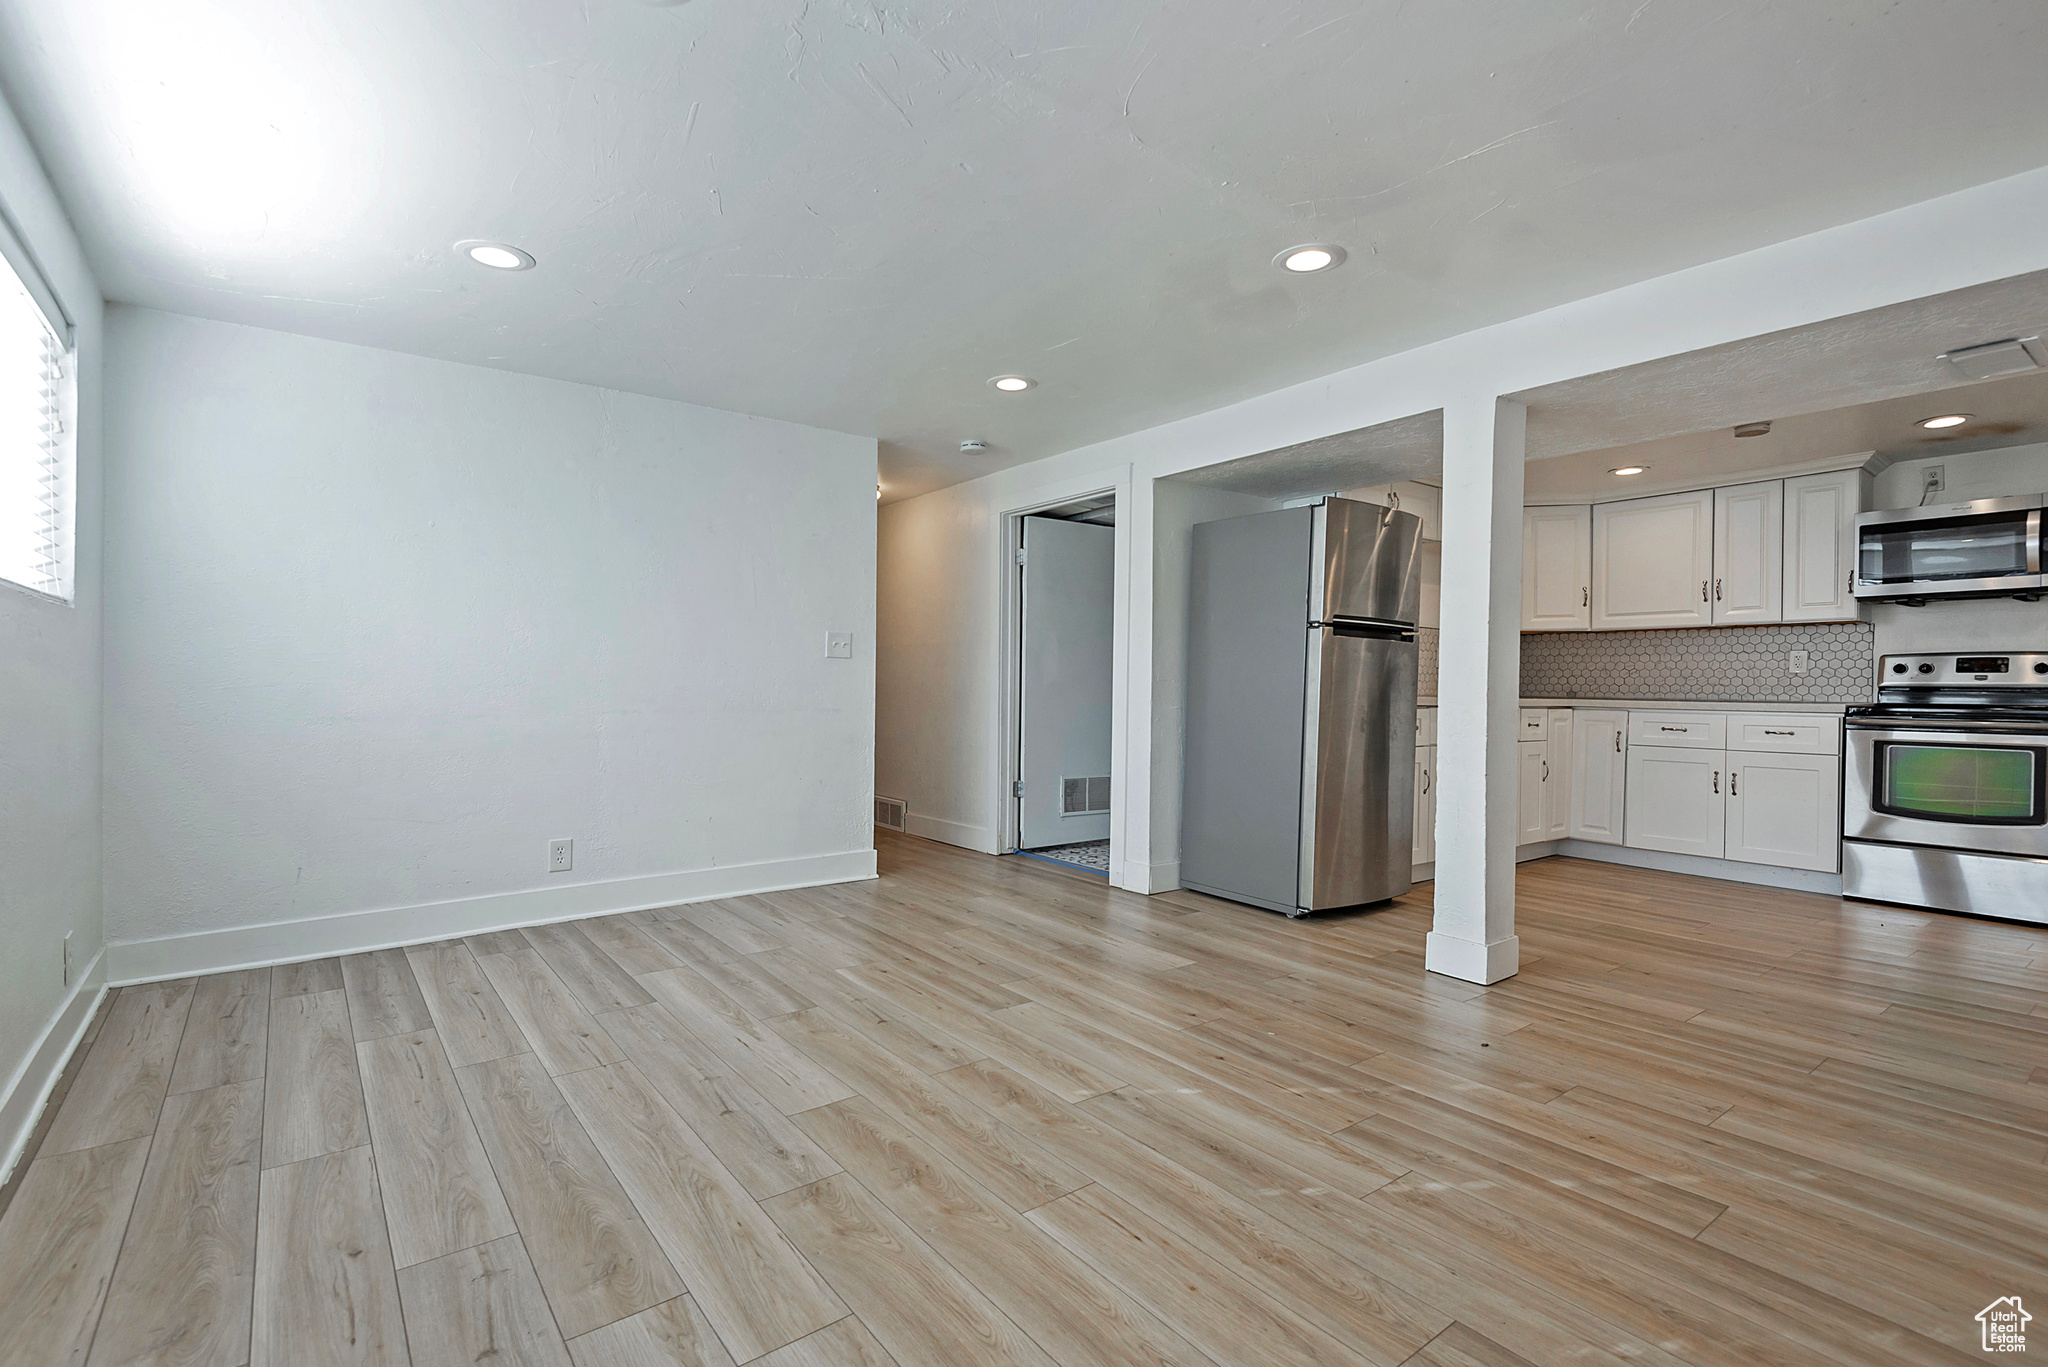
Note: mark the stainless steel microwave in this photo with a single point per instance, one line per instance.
(1989, 548)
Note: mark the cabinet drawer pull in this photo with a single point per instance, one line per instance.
(1769, 732)
(1680, 729)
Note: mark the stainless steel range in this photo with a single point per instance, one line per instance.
(1945, 790)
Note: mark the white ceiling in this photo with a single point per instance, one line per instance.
(854, 214)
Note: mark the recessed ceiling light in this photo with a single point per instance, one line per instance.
(1310, 257)
(497, 255)
(1752, 429)
(1628, 469)
(1014, 384)
(1946, 420)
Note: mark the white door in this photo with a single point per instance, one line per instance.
(1557, 569)
(1653, 562)
(1749, 553)
(1820, 544)
(1532, 820)
(1425, 804)
(1599, 771)
(1557, 775)
(1063, 735)
(1676, 800)
(1785, 810)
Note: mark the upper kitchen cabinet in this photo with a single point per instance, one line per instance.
(1557, 569)
(1820, 544)
(1653, 562)
(1749, 553)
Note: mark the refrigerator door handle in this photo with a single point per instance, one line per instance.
(1369, 628)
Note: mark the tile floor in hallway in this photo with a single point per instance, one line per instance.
(994, 1111)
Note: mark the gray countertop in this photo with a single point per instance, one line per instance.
(1826, 709)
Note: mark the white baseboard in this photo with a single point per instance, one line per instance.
(1727, 870)
(977, 838)
(1150, 878)
(283, 942)
(28, 1091)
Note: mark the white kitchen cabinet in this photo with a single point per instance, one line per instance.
(1599, 770)
(1653, 562)
(1425, 804)
(1532, 814)
(1557, 775)
(1557, 569)
(1749, 553)
(1675, 800)
(1820, 544)
(1784, 809)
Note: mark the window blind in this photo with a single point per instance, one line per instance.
(34, 446)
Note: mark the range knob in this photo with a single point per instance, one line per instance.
(1898, 669)
(1926, 669)
(2041, 667)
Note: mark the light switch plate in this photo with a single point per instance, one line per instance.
(1799, 658)
(838, 645)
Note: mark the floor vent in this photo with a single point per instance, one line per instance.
(1084, 796)
(891, 813)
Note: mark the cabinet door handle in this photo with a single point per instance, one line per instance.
(1717, 590)
(1717, 780)
(1703, 590)
(1585, 597)
(1546, 771)
(1617, 742)
(1425, 780)
(1732, 775)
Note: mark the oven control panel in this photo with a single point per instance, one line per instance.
(2006, 669)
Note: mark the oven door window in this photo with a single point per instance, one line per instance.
(1981, 546)
(1983, 785)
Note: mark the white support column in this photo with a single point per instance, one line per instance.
(1479, 691)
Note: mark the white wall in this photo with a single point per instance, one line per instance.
(936, 737)
(380, 627)
(50, 718)
(1967, 624)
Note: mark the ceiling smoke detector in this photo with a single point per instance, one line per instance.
(2013, 356)
(1752, 429)
(973, 444)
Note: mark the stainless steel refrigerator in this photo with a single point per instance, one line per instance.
(1298, 793)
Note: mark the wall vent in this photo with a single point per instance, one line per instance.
(892, 813)
(1084, 796)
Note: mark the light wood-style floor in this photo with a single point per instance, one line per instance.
(988, 1111)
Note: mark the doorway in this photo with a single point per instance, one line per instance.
(1066, 591)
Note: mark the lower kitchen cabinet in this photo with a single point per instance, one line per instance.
(1599, 770)
(1557, 775)
(1532, 814)
(1784, 810)
(1675, 800)
(1425, 804)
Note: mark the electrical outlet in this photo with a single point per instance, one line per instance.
(838, 645)
(1799, 658)
(561, 856)
(67, 958)
(1934, 479)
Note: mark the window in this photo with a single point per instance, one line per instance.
(35, 447)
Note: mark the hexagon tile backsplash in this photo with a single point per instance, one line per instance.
(1710, 664)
